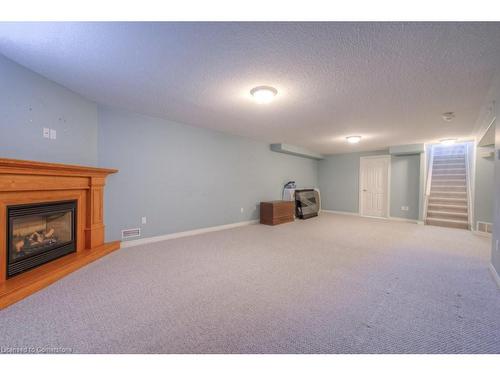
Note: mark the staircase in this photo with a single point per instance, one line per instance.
(447, 204)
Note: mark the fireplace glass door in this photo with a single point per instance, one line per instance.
(39, 233)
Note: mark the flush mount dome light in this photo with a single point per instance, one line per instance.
(263, 94)
(353, 139)
(448, 116)
(448, 142)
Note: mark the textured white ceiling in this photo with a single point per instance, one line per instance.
(388, 82)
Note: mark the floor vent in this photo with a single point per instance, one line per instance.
(484, 227)
(130, 233)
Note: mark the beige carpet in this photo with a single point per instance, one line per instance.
(333, 284)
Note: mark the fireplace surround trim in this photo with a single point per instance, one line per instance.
(31, 182)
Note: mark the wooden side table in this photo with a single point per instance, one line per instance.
(277, 212)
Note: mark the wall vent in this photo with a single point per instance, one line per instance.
(486, 152)
(484, 227)
(130, 233)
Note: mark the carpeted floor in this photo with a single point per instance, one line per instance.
(333, 284)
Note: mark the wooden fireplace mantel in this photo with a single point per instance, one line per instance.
(26, 182)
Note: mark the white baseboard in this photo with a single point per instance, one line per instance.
(481, 234)
(340, 212)
(194, 232)
(403, 219)
(495, 275)
(392, 218)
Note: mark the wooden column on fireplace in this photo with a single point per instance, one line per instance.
(28, 182)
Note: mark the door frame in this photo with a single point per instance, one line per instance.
(388, 189)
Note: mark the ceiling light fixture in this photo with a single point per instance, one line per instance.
(263, 94)
(448, 116)
(353, 139)
(448, 142)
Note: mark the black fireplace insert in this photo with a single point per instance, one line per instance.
(39, 233)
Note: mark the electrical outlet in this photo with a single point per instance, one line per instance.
(242, 209)
(53, 134)
(144, 220)
(46, 133)
(404, 208)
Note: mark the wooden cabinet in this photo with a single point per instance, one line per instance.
(277, 212)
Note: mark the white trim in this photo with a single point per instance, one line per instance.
(495, 275)
(341, 212)
(421, 185)
(470, 171)
(481, 234)
(428, 180)
(390, 218)
(187, 233)
(388, 190)
(403, 219)
(479, 138)
(386, 156)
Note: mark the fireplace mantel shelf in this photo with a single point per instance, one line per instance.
(37, 167)
(28, 182)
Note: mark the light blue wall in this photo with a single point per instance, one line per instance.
(484, 189)
(179, 177)
(339, 183)
(182, 177)
(405, 185)
(30, 102)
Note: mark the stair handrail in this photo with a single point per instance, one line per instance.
(469, 185)
(428, 181)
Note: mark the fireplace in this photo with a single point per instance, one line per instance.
(39, 233)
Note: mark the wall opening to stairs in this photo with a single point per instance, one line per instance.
(448, 187)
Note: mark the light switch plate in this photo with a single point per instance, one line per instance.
(144, 220)
(46, 133)
(53, 134)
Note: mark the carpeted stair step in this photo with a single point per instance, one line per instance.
(445, 163)
(449, 171)
(447, 200)
(448, 194)
(449, 159)
(444, 186)
(447, 203)
(449, 188)
(448, 155)
(461, 208)
(450, 176)
(452, 153)
(447, 215)
(460, 224)
(445, 166)
(448, 182)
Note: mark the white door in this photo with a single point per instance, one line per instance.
(374, 186)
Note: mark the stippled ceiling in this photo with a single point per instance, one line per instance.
(388, 82)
